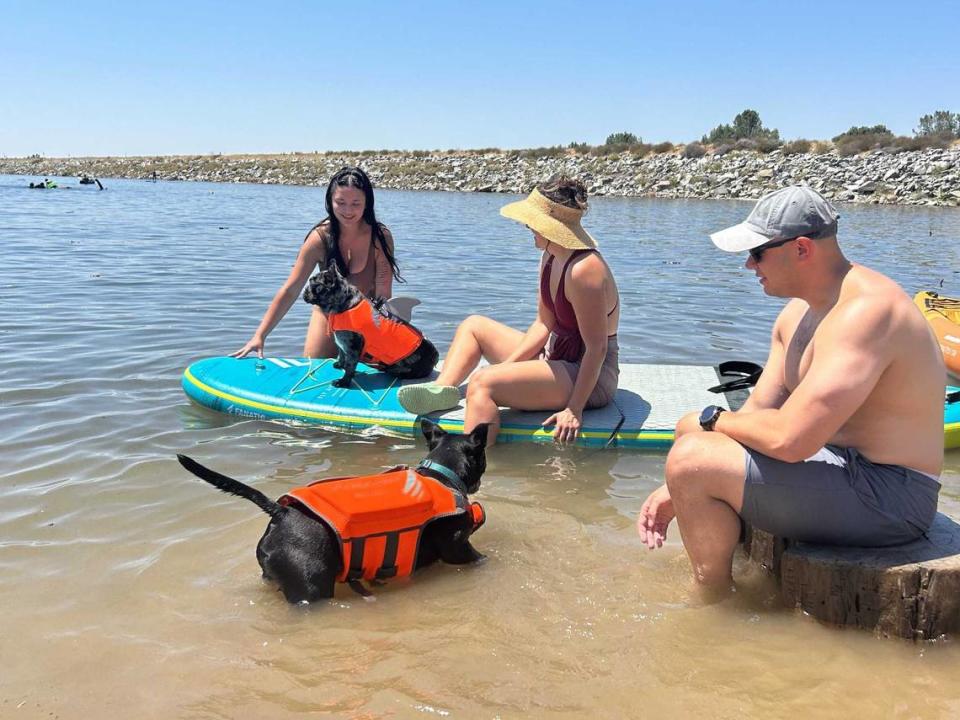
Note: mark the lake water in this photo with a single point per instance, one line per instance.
(131, 589)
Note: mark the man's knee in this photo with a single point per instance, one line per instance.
(687, 424)
(706, 463)
(683, 461)
(692, 457)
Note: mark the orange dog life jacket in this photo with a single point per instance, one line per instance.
(386, 340)
(379, 519)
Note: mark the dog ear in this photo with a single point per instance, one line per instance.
(431, 432)
(478, 436)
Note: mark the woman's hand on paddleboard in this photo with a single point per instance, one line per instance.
(255, 343)
(567, 426)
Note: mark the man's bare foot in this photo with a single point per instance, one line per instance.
(713, 594)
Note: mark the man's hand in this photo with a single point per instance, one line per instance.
(655, 516)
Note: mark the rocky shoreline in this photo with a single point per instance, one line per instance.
(927, 177)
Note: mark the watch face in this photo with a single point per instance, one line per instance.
(708, 414)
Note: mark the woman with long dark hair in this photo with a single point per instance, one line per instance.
(349, 237)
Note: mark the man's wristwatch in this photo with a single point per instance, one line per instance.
(709, 415)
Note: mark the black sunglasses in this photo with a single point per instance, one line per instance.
(757, 252)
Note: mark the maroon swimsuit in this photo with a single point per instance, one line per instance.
(569, 343)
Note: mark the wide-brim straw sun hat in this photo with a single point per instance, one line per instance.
(557, 223)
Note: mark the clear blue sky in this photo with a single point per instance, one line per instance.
(104, 78)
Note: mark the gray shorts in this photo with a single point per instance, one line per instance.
(606, 386)
(838, 497)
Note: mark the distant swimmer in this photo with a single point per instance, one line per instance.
(86, 180)
(45, 185)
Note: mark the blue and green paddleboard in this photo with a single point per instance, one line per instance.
(648, 404)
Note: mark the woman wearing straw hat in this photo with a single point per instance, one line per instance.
(568, 358)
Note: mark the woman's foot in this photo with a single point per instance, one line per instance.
(425, 398)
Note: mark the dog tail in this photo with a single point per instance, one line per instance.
(234, 487)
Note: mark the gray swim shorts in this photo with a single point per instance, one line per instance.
(838, 497)
(606, 386)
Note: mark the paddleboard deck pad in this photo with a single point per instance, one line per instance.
(648, 404)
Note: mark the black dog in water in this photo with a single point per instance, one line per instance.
(366, 332)
(302, 553)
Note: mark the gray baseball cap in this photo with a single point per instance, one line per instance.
(786, 213)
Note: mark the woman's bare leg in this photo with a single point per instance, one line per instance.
(528, 385)
(319, 342)
(477, 337)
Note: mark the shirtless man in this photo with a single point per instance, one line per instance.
(841, 441)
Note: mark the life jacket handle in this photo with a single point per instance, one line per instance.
(478, 514)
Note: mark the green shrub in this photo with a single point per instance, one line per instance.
(663, 147)
(757, 144)
(746, 125)
(921, 142)
(767, 144)
(640, 149)
(796, 147)
(578, 147)
(858, 130)
(694, 150)
(942, 123)
(534, 153)
(622, 138)
(602, 150)
(720, 134)
(851, 144)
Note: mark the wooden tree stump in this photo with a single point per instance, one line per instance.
(910, 591)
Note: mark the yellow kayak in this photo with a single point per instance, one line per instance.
(943, 314)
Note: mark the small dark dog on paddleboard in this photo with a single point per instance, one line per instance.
(368, 332)
(373, 527)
